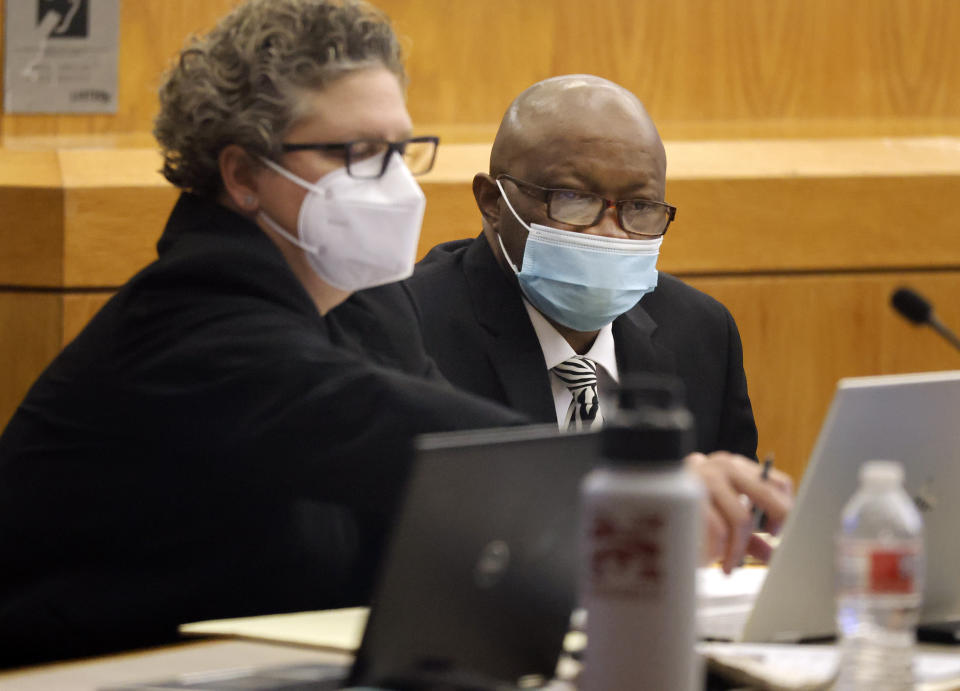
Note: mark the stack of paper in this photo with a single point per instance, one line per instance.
(334, 629)
(724, 602)
(774, 667)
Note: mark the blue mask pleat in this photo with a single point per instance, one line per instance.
(581, 288)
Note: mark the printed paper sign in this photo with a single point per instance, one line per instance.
(61, 56)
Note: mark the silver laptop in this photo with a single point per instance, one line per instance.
(913, 418)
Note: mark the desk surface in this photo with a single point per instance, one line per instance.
(209, 656)
(160, 663)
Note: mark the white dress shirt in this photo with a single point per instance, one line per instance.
(556, 350)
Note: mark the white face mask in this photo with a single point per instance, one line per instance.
(358, 233)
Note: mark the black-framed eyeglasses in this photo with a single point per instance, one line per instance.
(368, 158)
(582, 209)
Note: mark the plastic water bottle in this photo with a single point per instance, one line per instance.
(640, 540)
(879, 582)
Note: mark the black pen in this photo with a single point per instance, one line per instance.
(759, 517)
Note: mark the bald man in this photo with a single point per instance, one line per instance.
(559, 296)
(573, 215)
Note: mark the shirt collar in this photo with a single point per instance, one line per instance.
(556, 349)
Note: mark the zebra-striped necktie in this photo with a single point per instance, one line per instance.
(580, 376)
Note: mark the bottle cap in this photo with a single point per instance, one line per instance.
(882, 473)
(651, 423)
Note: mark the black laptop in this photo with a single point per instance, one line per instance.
(479, 578)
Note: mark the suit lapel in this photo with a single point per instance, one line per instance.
(511, 344)
(635, 347)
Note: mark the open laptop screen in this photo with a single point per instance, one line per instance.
(479, 579)
(912, 418)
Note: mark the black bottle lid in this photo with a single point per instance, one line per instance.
(651, 422)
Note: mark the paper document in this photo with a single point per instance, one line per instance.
(342, 629)
(724, 602)
(794, 667)
(715, 587)
(334, 629)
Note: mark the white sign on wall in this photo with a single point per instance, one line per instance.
(60, 56)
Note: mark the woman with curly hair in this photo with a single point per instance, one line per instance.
(213, 444)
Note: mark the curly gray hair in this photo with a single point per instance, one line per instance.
(242, 83)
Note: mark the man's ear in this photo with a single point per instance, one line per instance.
(487, 194)
(238, 170)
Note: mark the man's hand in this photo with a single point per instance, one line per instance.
(729, 523)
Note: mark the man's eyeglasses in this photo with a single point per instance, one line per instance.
(368, 158)
(582, 209)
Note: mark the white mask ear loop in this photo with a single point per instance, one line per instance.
(519, 220)
(292, 177)
(276, 227)
(279, 230)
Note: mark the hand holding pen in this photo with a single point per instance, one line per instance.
(729, 524)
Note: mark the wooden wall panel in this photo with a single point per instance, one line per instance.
(31, 208)
(813, 224)
(91, 218)
(2, 53)
(30, 337)
(701, 66)
(116, 206)
(803, 333)
(31, 239)
(78, 309)
(776, 224)
(34, 327)
(111, 233)
(705, 68)
(791, 205)
(85, 217)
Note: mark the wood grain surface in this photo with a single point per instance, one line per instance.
(30, 337)
(801, 334)
(704, 68)
(94, 215)
(772, 205)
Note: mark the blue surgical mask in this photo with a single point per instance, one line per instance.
(583, 281)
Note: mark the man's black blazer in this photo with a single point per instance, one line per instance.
(475, 327)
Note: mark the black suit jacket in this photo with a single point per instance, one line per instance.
(477, 330)
(209, 446)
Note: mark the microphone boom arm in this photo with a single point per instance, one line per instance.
(941, 329)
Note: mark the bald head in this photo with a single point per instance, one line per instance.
(579, 110)
(579, 133)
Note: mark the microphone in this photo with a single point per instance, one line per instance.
(917, 309)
